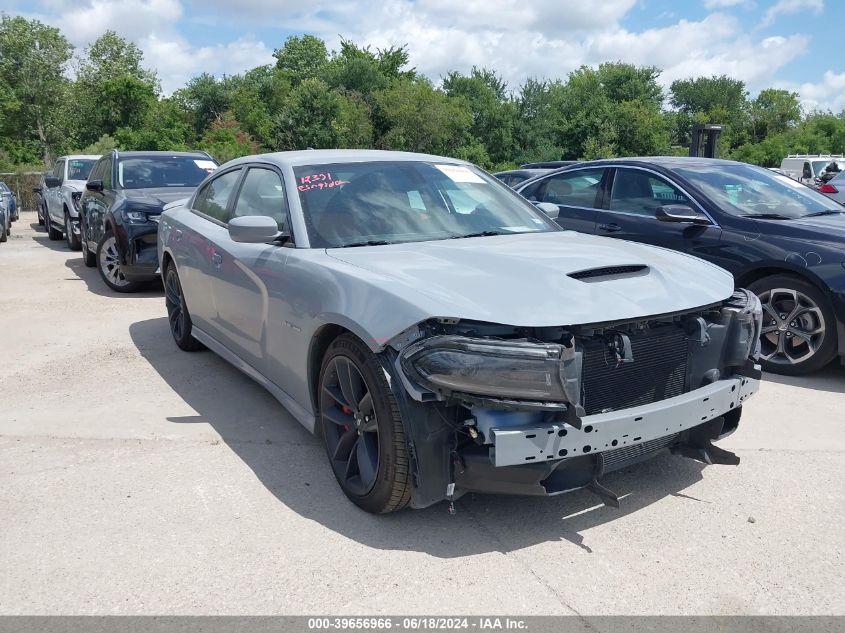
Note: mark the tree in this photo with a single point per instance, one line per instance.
(302, 58)
(773, 112)
(33, 60)
(417, 118)
(206, 98)
(112, 89)
(360, 70)
(716, 99)
(226, 140)
(493, 113)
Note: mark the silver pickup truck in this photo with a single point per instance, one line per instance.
(61, 193)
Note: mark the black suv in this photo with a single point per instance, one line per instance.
(125, 194)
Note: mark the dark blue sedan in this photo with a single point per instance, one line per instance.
(781, 239)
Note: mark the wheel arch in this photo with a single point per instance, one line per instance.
(320, 342)
(759, 272)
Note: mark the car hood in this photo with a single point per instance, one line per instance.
(76, 185)
(158, 197)
(523, 279)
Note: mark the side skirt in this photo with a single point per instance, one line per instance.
(302, 416)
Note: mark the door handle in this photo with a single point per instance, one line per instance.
(610, 228)
(216, 259)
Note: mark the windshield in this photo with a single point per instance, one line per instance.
(745, 190)
(163, 171)
(819, 166)
(386, 202)
(79, 168)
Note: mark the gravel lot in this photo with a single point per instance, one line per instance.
(138, 479)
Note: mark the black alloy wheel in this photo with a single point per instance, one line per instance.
(362, 430)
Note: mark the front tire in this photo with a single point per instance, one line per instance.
(799, 327)
(108, 263)
(178, 316)
(41, 214)
(73, 242)
(362, 428)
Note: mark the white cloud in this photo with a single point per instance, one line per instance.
(791, 7)
(724, 4)
(827, 94)
(542, 38)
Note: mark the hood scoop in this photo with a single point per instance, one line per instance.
(609, 273)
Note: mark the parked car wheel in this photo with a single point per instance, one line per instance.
(799, 328)
(108, 263)
(177, 312)
(3, 234)
(88, 258)
(41, 214)
(72, 239)
(362, 428)
(52, 233)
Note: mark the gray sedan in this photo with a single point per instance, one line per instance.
(442, 335)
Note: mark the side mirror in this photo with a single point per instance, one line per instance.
(549, 208)
(681, 213)
(94, 185)
(36, 190)
(254, 229)
(52, 182)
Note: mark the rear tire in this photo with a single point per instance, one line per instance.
(52, 233)
(73, 242)
(41, 214)
(108, 263)
(178, 316)
(799, 327)
(362, 428)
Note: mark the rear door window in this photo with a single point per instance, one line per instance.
(579, 188)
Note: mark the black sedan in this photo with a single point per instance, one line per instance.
(125, 194)
(514, 177)
(781, 239)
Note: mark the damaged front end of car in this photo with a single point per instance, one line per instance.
(543, 411)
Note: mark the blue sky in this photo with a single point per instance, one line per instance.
(792, 44)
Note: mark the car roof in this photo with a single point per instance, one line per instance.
(152, 154)
(530, 172)
(77, 156)
(668, 162)
(329, 156)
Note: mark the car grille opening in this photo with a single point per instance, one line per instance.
(620, 457)
(595, 274)
(658, 371)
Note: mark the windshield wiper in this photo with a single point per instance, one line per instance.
(366, 243)
(766, 216)
(479, 234)
(825, 212)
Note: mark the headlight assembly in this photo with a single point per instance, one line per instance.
(75, 196)
(747, 314)
(495, 368)
(135, 217)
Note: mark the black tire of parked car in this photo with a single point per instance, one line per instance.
(352, 391)
(178, 316)
(88, 258)
(52, 233)
(3, 234)
(41, 213)
(71, 239)
(122, 286)
(825, 347)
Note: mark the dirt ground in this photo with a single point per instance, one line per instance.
(138, 479)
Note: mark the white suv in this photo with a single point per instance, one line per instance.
(806, 168)
(61, 192)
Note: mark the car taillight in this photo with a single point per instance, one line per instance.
(828, 188)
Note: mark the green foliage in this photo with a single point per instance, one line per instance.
(360, 97)
(112, 90)
(226, 140)
(416, 117)
(102, 145)
(33, 60)
(302, 58)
